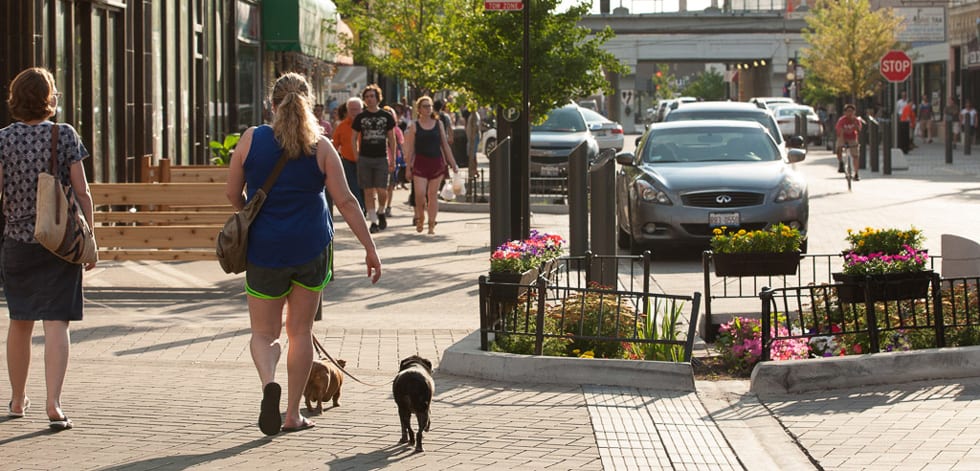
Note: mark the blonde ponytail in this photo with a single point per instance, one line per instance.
(294, 125)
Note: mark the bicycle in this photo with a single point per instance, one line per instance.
(848, 162)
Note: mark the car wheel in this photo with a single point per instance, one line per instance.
(624, 240)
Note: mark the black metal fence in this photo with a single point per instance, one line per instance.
(563, 310)
(814, 269)
(945, 315)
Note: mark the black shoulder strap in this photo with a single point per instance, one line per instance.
(271, 179)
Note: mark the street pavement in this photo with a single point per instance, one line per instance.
(161, 377)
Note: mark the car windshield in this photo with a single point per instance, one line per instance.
(761, 118)
(562, 120)
(708, 145)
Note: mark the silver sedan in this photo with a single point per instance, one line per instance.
(689, 177)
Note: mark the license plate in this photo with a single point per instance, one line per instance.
(599, 133)
(549, 171)
(723, 219)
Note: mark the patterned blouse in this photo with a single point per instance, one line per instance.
(25, 151)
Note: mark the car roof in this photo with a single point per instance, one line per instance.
(721, 106)
(707, 123)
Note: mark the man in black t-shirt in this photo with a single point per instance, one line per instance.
(374, 143)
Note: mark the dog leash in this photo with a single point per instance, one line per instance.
(323, 354)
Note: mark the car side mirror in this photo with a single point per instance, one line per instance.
(795, 155)
(625, 158)
(637, 141)
(795, 142)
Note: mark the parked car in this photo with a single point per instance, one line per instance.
(608, 133)
(687, 178)
(554, 140)
(733, 110)
(668, 105)
(786, 117)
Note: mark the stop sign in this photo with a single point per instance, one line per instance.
(895, 66)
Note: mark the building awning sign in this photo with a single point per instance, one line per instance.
(309, 27)
(971, 59)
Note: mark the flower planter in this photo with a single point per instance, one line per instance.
(507, 287)
(756, 264)
(886, 287)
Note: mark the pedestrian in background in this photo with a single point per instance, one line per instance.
(342, 137)
(968, 122)
(427, 157)
(924, 114)
(447, 122)
(290, 242)
(38, 286)
(374, 142)
(325, 127)
(395, 177)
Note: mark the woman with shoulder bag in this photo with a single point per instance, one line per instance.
(427, 156)
(39, 285)
(290, 241)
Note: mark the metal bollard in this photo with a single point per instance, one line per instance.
(874, 138)
(602, 181)
(949, 141)
(886, 128)
(500, 226)
(578, 208)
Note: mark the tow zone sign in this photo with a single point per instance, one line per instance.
(497, 5)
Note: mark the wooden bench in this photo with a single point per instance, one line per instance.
(159, 221)
(164, 172)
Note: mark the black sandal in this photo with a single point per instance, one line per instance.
(270, 421)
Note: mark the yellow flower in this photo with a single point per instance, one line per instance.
(741, 232)
(717, 231)
(576, 351)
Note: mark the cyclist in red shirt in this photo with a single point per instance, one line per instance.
(848, 127)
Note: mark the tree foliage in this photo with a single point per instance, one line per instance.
(456, 45)
(407, 39)
(566, 63)
(664, 83)
(710, 85)
(846, 40)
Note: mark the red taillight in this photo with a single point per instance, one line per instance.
(617, 130)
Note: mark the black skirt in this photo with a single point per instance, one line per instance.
(38, 285)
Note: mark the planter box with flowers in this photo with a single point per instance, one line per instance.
(890, 263)
(516, 264)
(766, 252)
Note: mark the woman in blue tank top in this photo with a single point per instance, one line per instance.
(290, 241)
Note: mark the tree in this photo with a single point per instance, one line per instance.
(710, 85)
(846, 41)
(407, 39)
(566, 63)
(663, 83)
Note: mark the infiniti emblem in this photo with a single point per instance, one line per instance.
(723, 199)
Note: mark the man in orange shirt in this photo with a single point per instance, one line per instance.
(342, 139)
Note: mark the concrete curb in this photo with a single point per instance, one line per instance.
(464, 358)
(795, 376)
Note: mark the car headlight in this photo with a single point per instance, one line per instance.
(791, 188)
(650, 194)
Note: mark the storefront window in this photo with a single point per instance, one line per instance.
(249, 70)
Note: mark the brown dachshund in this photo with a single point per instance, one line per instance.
(324, 384)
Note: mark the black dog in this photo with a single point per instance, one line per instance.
(413, 389)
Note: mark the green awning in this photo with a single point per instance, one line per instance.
(305, 26)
